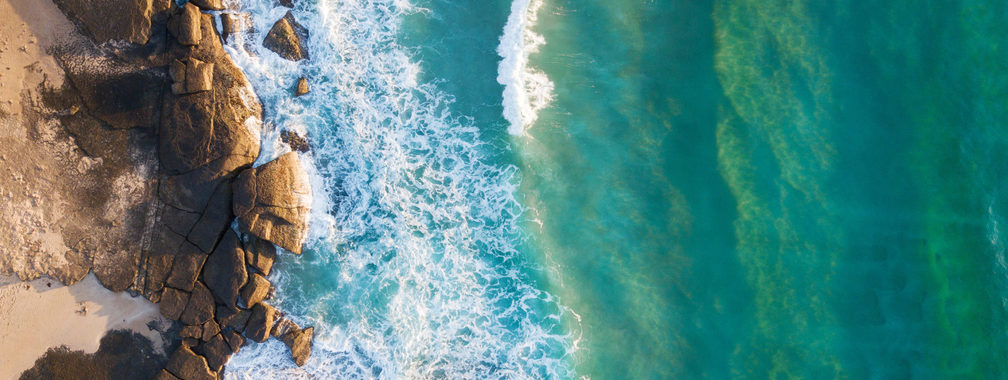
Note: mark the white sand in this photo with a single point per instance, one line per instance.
(40, 314)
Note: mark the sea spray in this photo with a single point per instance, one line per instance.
(412, 269)
(527, 90)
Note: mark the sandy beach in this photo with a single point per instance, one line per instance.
(43, 313)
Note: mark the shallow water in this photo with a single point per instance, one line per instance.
(660, 189)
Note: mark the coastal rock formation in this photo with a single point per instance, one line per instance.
(255, 291)
(273, 200)
(173, 303)
(200, 308)
(299, 343)
(232, 23)
(186, 26)
(210, 5)
(216, 351)
(187, 365)
(260, 255)
(286, 38)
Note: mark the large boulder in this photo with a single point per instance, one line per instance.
(185, 270)
(299, 342)
(272, 202)
(108, 20)
(286, 38)
(224, 272)
(255, 291)
(186, 25)
(216, 351)
(186, 365)
(200, 308)
(260, 322)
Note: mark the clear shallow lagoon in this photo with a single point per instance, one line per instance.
(689, 189)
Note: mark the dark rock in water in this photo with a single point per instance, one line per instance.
(185, 270)
(234, 340)
(295, 141)
(200, 308)
(302, 87)
(212, 5)
(286, 38)
(224, 272)
(165, 375)
(260, 323)
(216, 352)
(173, 303)
(283, 326)
(260, 255)
(185, 364)
(272, 202)
(287, 3)
(210, 329)
(122, 354)
(299, 342)
(195, 332)
(255, 291)
(130, 21)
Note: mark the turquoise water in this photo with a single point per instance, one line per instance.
(653, 189)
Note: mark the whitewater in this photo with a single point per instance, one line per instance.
(412, 268)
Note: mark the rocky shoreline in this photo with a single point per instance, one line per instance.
(154, 76)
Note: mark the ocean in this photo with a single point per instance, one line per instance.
(647, 189)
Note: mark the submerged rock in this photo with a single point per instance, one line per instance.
(186, 365)
(286, 38)
(272, 202)
(299, 343)
(296, 142)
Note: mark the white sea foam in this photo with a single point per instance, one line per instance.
(413, 259)
(527, 90)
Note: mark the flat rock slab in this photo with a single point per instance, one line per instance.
(224, 272)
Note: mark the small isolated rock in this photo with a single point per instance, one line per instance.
(287, 3)
(185, 364)
(302, 87)
(259, 324)
(286, 38)
(295, 141)
(299, 342)
(210, 5)
(189, 25)
(173, 302)
(255, 291)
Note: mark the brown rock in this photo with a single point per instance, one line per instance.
(232, 23)
(299, 342)
(200, 308)
(185, 270)
(224, 272)
(189, 25)
(210, 5)
(131, 20)
(216, 351)
(199, 76)
(173, 303)
(191, 342)
(164, 375)
(260, 255)
(295, 141)
(234, 340)
(210, 329)
(285, 38)
(272, 202)
(239, 320)
(158, 267)
(186, 365)
(195, 332)
(283, 326)
(302, 87)
(255, 291)
(259, 324)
